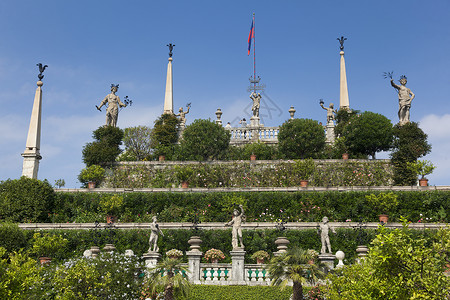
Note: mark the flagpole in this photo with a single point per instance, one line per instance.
(254, 52)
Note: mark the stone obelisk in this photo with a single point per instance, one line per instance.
(168, 98)
(343, 95)
(31, 155)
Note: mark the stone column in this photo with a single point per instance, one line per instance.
(237, 266)
(168, 99)
(31, 155)
(151, 259)
(343, 99)
(194, 255)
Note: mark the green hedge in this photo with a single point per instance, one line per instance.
(237, 292)
(137, 240)
(245, 174)
(259, 207)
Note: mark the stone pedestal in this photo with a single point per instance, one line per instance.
(194, 256)
(330, 133)
(328, 260)
(237, 266)
(362, 252)
(95, 251)
(109, 248)
(254, 121)
(151, 259)
(282, 244)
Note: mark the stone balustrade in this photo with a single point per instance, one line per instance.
(243, 135)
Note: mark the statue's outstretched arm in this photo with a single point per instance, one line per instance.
(104, 101)
(394, 85)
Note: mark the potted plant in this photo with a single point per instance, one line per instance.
(304, 169)
(92, 176)
(260, 256)
(214, 255)
(45, 246)
(383, 203)
(421, 168)
(174, 253)
(313, 254)
(183, 174)
(111, 206)
(253, 156)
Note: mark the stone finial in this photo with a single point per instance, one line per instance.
(218, 115)
(195, 243)
(292, 112)
(282, 245)
(340, 255)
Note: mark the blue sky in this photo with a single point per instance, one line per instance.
(90, 44)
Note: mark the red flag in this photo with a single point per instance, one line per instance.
(250, 36)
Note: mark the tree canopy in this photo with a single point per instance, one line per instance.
(164, 134)
(301, 138)
(368, 133)
(137, 141)
(105, 148)
(204, 140)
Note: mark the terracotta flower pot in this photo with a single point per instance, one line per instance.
(214, 260)
(184, 184)
(344, 156)
(383, 218)
(162, 158)
(260, 261)
(110, 219)
(253, 157)
(91, 185)
(423, 182)
(45, 260)
(303, 183)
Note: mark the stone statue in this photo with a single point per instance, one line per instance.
(256, 98)
(112, 112)
(182, 115)
(330, 111)
(405, 97)
(153, 240)
(325, 239)
(236, 222)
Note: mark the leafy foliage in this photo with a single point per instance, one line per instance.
(137, 141)
(164, 135)
(342, 118)
(237, 292)
(399, 266)
(368, 133)
(105, 148)
(294, 265)
(169, 277)
(410, 143)
(301, 138)
(204, 140)
(26, 200)
(94, 173)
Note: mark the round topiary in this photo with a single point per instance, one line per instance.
(26, 200)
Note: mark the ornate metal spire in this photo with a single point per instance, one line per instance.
(170, 49)
(41, 70)
(341, 41)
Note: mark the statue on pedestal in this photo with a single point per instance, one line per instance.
(325, 239)
(256, 98)
(238, 218)
(330, 111)
(182, 115)
(405, 97)
(153, 240)
(112, 112)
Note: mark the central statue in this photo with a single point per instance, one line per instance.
(113, 101)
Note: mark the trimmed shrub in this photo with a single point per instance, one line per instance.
(26, 200)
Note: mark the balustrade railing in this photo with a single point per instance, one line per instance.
(242, 135)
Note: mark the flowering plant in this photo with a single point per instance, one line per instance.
(174, 253)
(214, 254)
(315, 293)
(261, 254)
